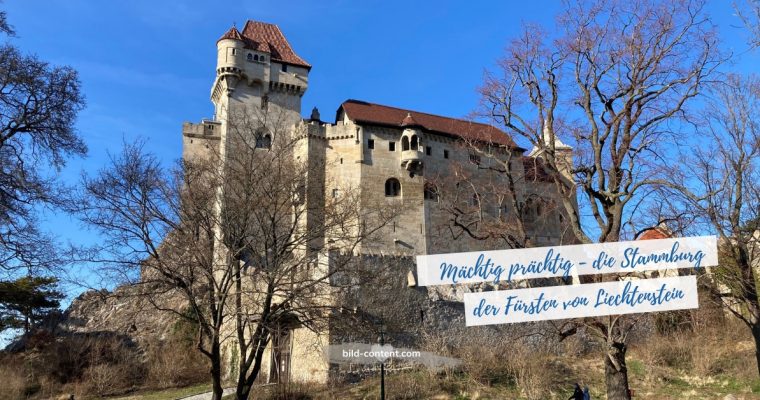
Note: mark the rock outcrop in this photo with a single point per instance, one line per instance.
(122, 311)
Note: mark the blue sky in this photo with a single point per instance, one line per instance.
(147, 66)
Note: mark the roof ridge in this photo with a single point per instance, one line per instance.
(421, 112)
(259, 22)
(287, 42)
(272, 39)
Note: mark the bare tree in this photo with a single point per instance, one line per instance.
(291, 246)
(721, 193)
(749, 13)
(38, 107)
(244, 235)
(497, 198)
(480, 205)
(157, 232)
(39, 103)
(612, 82)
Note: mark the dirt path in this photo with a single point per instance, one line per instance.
(207, 395)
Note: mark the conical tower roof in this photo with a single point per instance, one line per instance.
(233, 34)
(409, 121)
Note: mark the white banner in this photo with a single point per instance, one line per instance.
(587, 259)
(578, 301)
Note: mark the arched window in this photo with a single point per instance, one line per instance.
(404, 143)
(250, 57)
(526, 211)
(531, 210)
(415, 142)
(264, 141)
(256, 57)
(392, 187)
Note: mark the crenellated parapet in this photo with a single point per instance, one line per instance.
(327, 131)
(206, 129)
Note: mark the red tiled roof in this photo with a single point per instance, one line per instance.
(534, 170)
(376, 114)
(267, 38)
(233, 33)
(654, 233)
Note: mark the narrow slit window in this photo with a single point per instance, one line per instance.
(431, 192)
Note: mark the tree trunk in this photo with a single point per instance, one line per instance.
(244, 387)
(216, 370)
(616, 372)
(243, 390)
(749, 289)
(756, 336)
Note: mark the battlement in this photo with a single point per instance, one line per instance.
(288, 78)
(330, 131)
(207, 129)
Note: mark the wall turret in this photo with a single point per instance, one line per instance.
(411, 146)
(563, 154)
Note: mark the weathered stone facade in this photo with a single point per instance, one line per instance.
(391, 156)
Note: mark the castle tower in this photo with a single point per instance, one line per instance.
(257, 92)
(258, 74)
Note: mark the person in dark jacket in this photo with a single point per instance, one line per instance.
(577, 393)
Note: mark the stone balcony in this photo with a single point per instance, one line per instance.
(411, 159)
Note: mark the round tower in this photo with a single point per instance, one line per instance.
(230, 60)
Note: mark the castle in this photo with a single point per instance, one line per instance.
(388, 153)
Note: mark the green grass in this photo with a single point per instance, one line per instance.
(169, 394)
(637, 368)
(732, 385)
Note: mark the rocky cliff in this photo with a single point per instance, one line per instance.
(122, 312)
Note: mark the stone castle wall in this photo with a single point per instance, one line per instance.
(350, 157)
